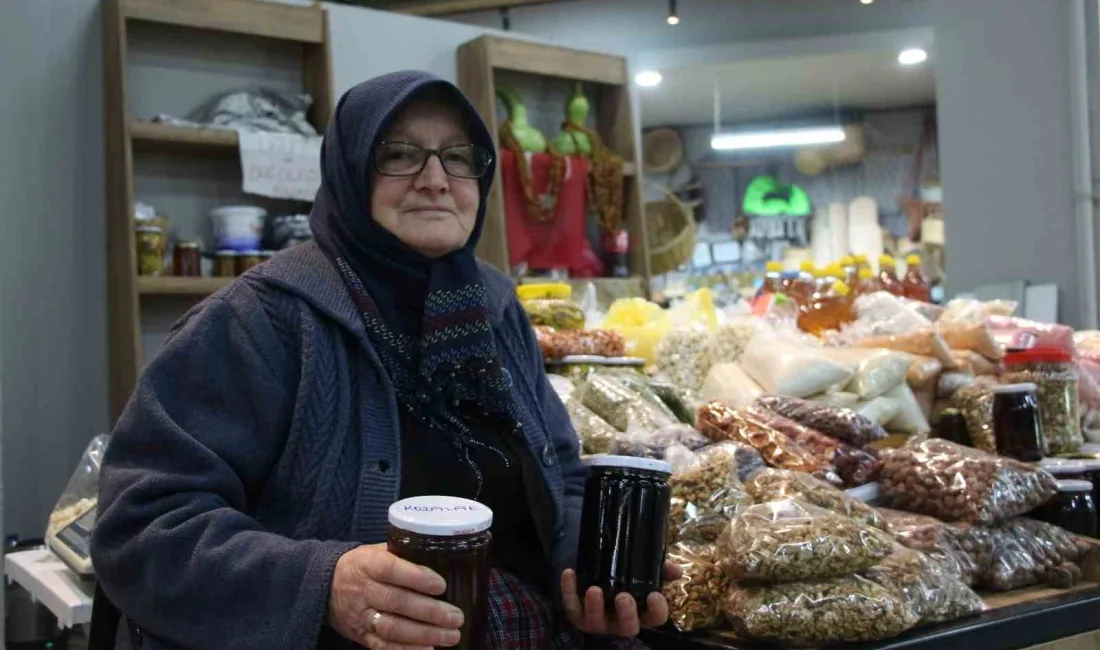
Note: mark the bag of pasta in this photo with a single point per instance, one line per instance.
(705, 494)
(784, 541)
(934, 593)
(613, 399)
(695, 599)
(821, 612)
(853, 466)
(594, 433)
(842, 424)
(720, 422)
(956, 483)
(780, 484)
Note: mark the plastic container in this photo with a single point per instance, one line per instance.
(914, 285)
(772, 280)
(802, 288)
(150, 250)
(1055, 375)
(1016, 425)
(865, 282)
(238, 227)
(1072, 508)
(624, 522)
(887, 275)
(450, 536)
(786, 281)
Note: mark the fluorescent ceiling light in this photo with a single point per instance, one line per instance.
(647, 78)
(866, 2)
(777, 138)
(912, 56)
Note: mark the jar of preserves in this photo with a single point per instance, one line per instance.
(1054, 374)
(1092, 475)
(450, 536)
(952, 427)
(1071, 508)
(623, 524)
(1016, 425)
(150, 250)
(247, 259)
(186, 261)
(225, 263)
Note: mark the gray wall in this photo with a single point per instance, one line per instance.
(52, 243)
(1003, 92)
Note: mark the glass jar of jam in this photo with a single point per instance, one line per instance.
(450, 536)
(1071, 508)
(150, 249)
(1092, 475)
(623, 523)
(247, 260)
(952, 427)
(225, 263)
(186, 261)
(1016, 424)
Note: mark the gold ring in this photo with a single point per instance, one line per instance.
(374, 622)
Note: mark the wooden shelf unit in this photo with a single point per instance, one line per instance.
(478, 61)
(126, 291)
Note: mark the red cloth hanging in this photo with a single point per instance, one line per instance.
(557, 244)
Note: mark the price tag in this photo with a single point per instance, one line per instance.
(281, 165)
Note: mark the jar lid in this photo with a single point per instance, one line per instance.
(249, 251)
(440, 516)
(1091, 464)
(1063, 466)
(1074, 486)
(228, 252)
(1014, 388)
(1038, 355)
(628, 462)
(187, 244)
(149, 229)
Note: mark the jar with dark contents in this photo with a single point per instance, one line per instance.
(952, 427)
(1071, 508)
(1016, 425)
(247, 259)
(1092, 475)
(225, 263)
(623, 524)
(450, 536)
(186, 261)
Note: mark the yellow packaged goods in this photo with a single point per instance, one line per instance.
(779, 484)
(706, 494)
(543, 291)
(956, 483)
(785, 541)
(642, 324)
(559, 314)
(934, 593)
(695, 599)
(811, 614)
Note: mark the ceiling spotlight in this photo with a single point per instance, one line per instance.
(912, 56)
(866, 2)
(647, 78)
(673, 17)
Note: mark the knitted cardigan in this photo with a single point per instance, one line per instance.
(262, 443)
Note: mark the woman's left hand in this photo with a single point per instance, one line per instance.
(590, 616)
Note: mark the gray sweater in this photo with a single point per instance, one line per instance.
(262, 443)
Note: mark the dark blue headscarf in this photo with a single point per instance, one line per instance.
(428, 319)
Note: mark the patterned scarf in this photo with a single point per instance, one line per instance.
(428, 319)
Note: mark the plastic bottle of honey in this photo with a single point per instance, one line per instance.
(772, 280)
(914, 285)
(848, 264)
(865, 283)
(887, 275)
(815, 311)
(802, 288)
(861, 262)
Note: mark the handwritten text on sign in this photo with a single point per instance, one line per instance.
(281, 165)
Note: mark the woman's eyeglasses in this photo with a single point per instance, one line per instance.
(408, 159)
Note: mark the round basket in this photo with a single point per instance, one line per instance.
(670, 227)
(662, 151)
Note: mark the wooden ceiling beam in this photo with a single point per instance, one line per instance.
(451, 7)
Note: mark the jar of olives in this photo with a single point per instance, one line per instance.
(1055, 377)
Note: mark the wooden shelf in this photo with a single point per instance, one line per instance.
(157, 136)
(266, 19)
(170, 285)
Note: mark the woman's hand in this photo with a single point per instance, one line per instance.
(591, 617)
(369, 580)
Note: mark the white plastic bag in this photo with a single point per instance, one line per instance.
(910, 418)
(69, 529)
(729, 384)
(876, 371)
(784, 367)
(886, 314)
(879, 409)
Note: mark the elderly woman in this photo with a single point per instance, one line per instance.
(244, 496)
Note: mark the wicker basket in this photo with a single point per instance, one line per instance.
(670, 227)
(662, 151)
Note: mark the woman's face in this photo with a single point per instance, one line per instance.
(430, 212)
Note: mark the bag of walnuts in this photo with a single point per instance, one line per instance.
(815, 613)
(933, 592)
(779, 484)
(784, 541)
(695, 599)
(956, 483)
(706, 494)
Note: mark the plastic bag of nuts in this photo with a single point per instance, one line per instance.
(854, 466)
(614, 400)
(956, 483)
(653, 444)
(1055, 376)
(720, 422)
(810, 614)
(706, 494)
(695, 599)
(682, 356)
(1027, 552)
(842, 424)
(594, 433)
(961, 549)
(600, 343)
(975, 403)
(783, 541)
(731, 338)
(934, 593)
(779, 484)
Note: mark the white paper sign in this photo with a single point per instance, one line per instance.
(281, 165)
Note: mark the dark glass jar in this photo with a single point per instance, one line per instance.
(225, 263)
(1016, 425)
(451, 537)
(952, 427)
(186, 261)
(1071, 508)
(623, 524)
(246, 260)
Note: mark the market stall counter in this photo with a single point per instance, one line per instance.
(1056, 619)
